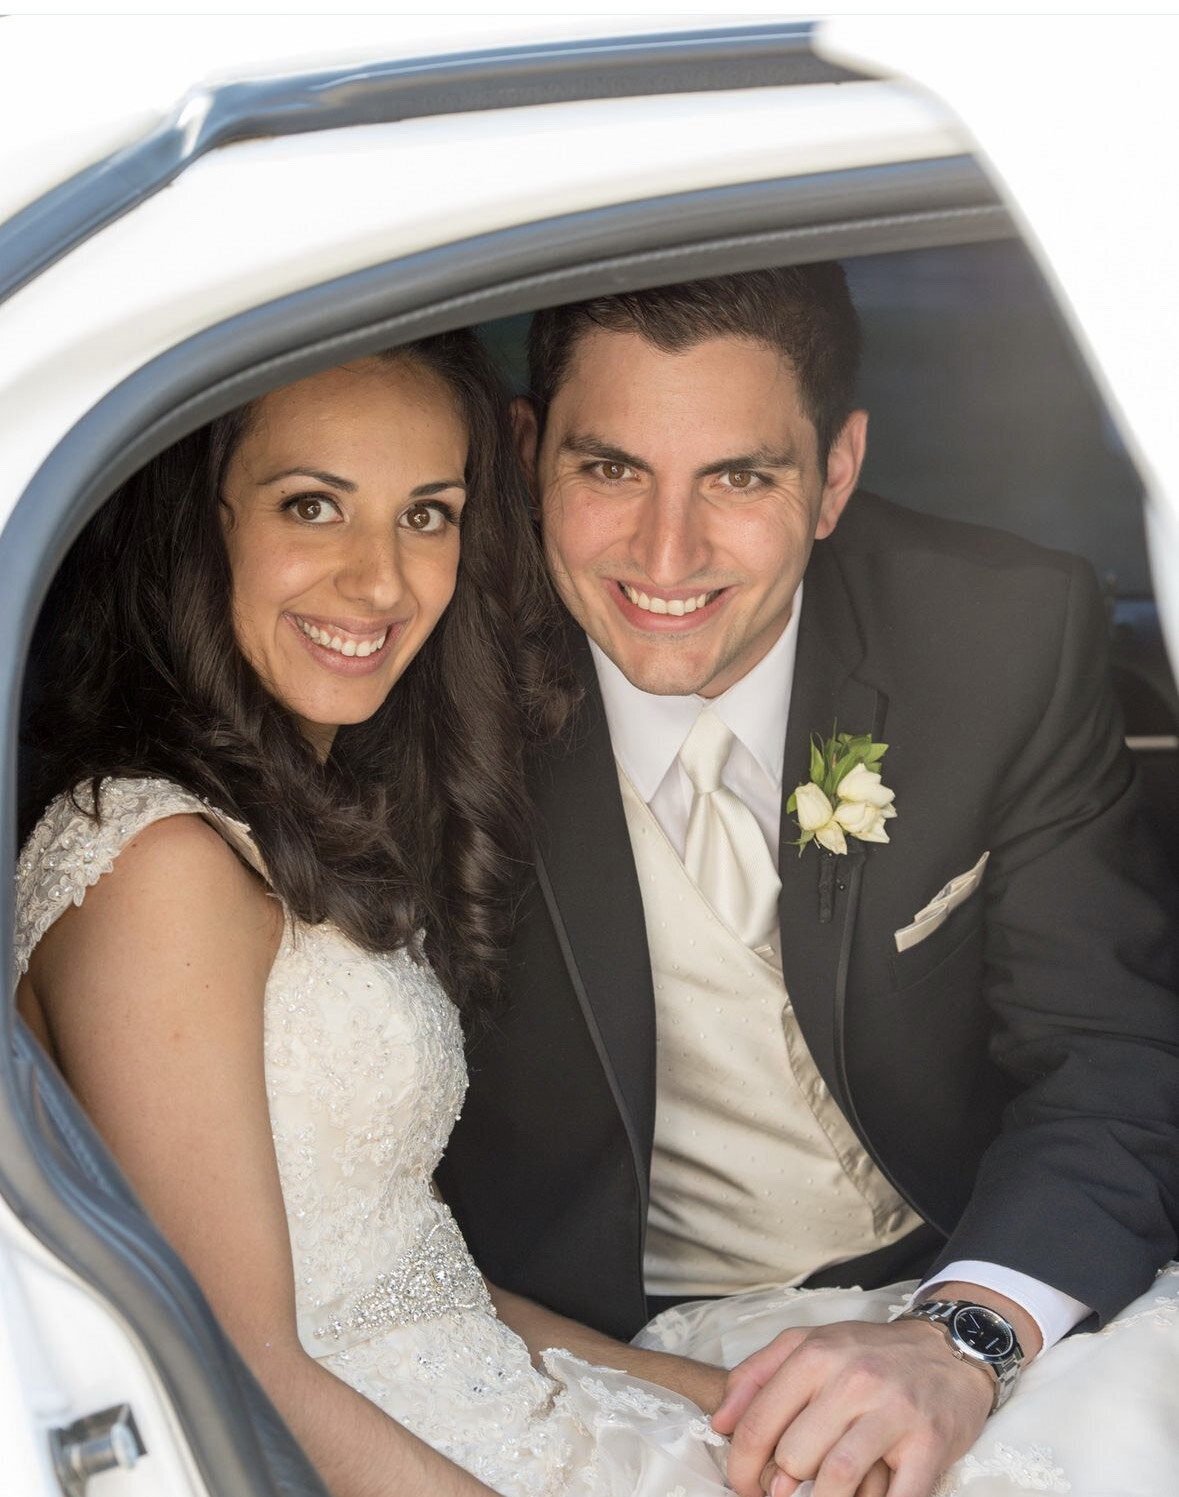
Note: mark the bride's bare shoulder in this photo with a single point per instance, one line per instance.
(178, 911)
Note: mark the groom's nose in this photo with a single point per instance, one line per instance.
(670, 541)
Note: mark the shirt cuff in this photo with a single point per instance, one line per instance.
(1054, 1312)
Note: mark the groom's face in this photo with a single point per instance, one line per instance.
(680, 495)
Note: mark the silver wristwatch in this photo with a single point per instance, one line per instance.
(976, 1335)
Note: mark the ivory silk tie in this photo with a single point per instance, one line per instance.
(725, 854)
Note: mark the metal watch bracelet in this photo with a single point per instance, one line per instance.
(1004, 1362)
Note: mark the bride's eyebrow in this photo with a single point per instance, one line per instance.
(425, 490)
(333, 480)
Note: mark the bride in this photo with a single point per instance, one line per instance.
(280, 742)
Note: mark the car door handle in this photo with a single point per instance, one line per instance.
(105, 1441)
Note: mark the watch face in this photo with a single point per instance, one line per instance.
(983, 1331)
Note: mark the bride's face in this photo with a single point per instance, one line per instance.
(341, 510)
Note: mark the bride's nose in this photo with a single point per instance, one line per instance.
(371, 571)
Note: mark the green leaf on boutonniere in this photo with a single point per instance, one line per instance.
(843, 765)
(817, 765)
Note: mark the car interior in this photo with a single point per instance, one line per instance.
(981, 410)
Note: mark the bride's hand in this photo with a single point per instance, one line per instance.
(541, 1329)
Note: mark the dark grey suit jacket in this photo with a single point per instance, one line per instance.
(1016, 1074)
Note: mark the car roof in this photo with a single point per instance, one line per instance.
(111, 80)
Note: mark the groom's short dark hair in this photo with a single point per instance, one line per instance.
(804, 311)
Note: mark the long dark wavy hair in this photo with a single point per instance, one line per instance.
(418, 819)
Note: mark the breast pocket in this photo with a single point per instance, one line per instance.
(957, 940)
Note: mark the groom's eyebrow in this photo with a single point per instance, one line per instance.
(760, 457)
(588, 444)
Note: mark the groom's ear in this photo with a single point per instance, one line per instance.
(844, 462)
(526, 434)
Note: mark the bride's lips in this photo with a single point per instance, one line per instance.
(667, 623)
(334, 660)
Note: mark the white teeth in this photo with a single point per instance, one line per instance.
(675, 606)
(361, 649)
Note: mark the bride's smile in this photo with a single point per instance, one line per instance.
(341, 506)
(356, 643)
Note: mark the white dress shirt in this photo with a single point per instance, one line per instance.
(647, 732)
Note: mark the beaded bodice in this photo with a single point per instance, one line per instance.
(364, 1075)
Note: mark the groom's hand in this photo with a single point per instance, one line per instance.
(862, 1409)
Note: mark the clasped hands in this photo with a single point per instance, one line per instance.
(865, 1410)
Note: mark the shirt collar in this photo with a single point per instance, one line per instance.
(648, 731)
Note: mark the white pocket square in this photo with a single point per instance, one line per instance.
(936, 912)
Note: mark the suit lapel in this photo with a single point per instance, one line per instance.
(827, 691)
(592, 889)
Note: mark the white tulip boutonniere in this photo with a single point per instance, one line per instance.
(845, 796)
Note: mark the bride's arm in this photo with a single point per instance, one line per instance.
(152, 993)
(540, 1328)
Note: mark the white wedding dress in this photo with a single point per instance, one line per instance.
(365, 1076)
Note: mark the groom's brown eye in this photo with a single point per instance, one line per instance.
(741, 478)
(613, 471)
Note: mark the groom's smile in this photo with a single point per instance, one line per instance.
(680, 495)
(668, 612)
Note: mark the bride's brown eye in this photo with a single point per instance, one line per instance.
(312, 509)
(421, 517)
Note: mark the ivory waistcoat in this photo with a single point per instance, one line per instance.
(756, 1176)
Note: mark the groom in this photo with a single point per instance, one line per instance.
(944, 1050)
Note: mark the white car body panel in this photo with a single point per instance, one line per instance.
(64, 1354)
(119, 76)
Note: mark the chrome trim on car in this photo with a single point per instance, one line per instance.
(738, 57)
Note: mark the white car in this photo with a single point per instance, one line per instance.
(194, 211)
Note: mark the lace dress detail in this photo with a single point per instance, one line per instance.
(365, 1076)
(69, 851)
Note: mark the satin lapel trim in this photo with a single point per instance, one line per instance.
(827, 691)
(590, 882)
